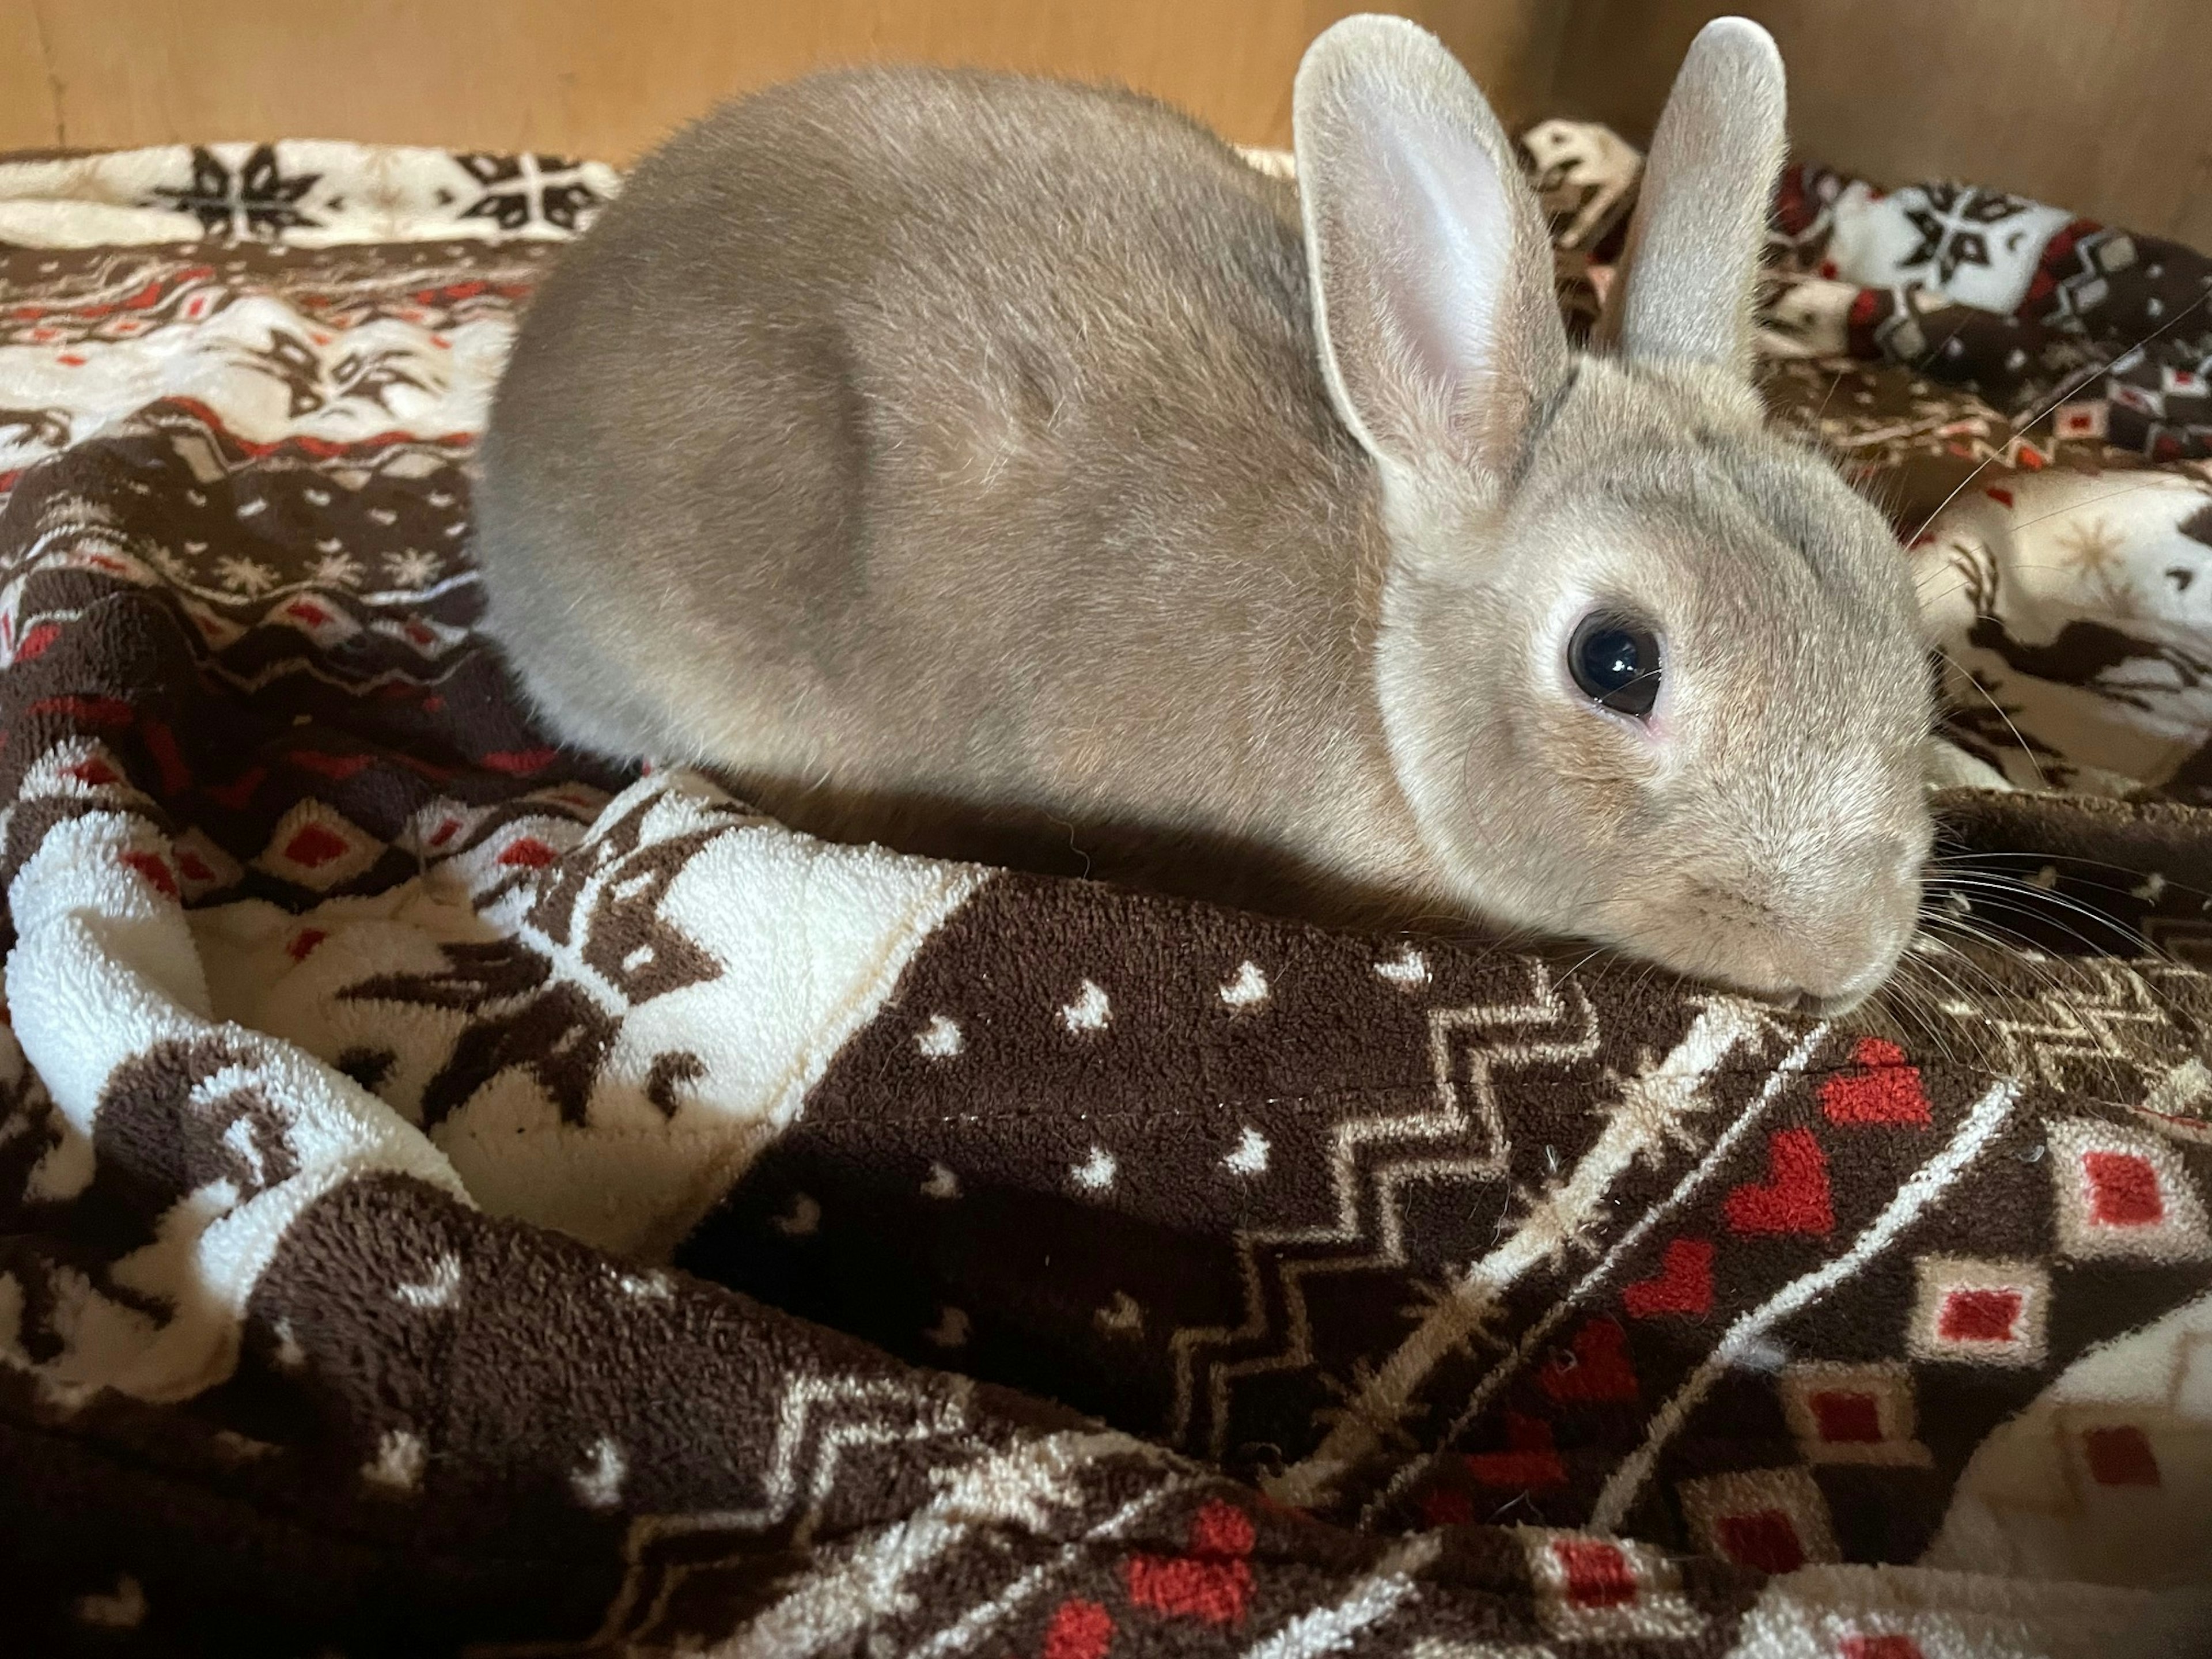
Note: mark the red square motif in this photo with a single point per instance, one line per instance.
(2120, 1457)
(1598, 1574)
(2122, 1189)
(1978, 1315)
(1846, 1415)
(1767, 1539)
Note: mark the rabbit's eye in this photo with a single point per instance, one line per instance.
(1615, 661)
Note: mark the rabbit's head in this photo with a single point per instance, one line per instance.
(1652, 674)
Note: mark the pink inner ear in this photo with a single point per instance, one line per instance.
(1449, 233)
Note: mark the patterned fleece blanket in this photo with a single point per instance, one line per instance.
(454, 1198)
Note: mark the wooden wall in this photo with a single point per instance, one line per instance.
(607, 77)
(2096, 104)
(2101, 105)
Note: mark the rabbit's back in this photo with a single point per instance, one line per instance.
(905, 433)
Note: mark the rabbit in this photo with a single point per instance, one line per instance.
(1005, 469)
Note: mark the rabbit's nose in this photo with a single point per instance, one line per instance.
(1820, 1007)
(1842, 980)
(1835, 1006)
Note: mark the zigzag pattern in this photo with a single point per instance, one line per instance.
(1464, 1133)
(2076, 1038)
(820, 1420)
(1647, 1113)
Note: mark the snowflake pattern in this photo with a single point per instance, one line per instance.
(337, 570)
(1551, 1223)
(413, 568)
(257, 199)
(520, 190)
(243, 575)
(310, 386)
(1357, 1397)
(1470, 1304)
(370, 376)
(1954, 226)
(2099, 552)
(1655, 1107)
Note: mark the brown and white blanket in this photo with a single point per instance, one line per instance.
(455, 1197)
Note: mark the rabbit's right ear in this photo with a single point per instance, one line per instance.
(1432, 268)
(1684, 288)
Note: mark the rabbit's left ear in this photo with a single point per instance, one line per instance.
(1688, 276)
(1432, 269)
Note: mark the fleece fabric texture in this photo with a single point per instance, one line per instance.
(453, 1196)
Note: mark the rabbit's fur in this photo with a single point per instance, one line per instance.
(998, 468)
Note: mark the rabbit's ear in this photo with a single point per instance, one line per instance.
(1431, 269)
(1687, 279)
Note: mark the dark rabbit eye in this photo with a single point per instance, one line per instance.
(1615, 661)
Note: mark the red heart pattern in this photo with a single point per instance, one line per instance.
(1593, 1367)
(1793, 1198)
(1885, 1088)
(1683, 1284)
(1211, 1583)
(1529, 1461)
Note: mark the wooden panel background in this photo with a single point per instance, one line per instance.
(2094, 104)
(2099, 106)
(607, 77)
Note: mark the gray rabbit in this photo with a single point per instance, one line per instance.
(993, 468)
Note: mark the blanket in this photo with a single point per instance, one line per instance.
(457, 1197)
